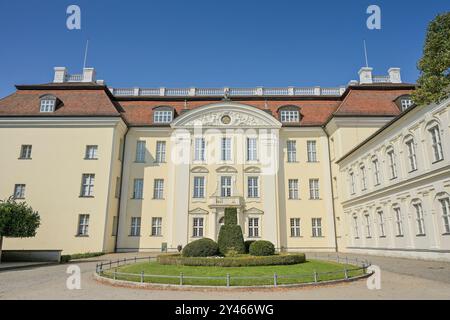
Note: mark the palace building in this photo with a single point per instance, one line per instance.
(355, 169)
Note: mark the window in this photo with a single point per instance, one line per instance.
(291, 151)
(253, 191)
(117, 191)
(376, 171)
(160, 151)
(406, 103)
(253, 227)
(314, 189)
(25, 151)
(436, 143)
(352, 183)
(199, 187)
(162, 116)
(114, 227)
(311, 149)
(252, 153)
(135, 227)
(226, 149)
(362, 169)
(48, 104)
(295, 227)
(91, 153)
(290, 116)
(225, 186)
(140, 151)
(158, 189)
(199, 149)
(381, 221)
(293, 188)
(392, 164)
(411, 155)
(420, 221)
(87, 185)
(445, 204)
(398, 221)
(355, 226)
(138, 189)
(367, 218)
(156, 226)
(83, 225)
(197, 231)
(316, 227)
(19, 191)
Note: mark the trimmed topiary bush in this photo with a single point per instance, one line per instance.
(201, 248)
(230, 235)
(262, 248)
(247, 244)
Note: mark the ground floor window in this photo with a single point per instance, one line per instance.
(156, 226)
(368, 233)
(445, 203)
(295, 227)
(398, 221)
(197, 231)
(316, 227)
(135, 226)
(83, 225)
(419, 219)
(253, 227)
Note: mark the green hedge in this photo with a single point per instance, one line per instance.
(262, 248)
(230, 234)
(247, 244)
(201, 248)
(67, 257)
(241, 261)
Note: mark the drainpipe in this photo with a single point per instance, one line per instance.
(332, 188)
(121, 184)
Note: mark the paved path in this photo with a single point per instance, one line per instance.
(401, 279)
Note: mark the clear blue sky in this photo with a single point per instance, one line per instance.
(208, 43)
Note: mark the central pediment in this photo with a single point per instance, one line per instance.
(226, 114)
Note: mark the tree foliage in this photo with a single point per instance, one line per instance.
(434, 66)
(230, 234)
(17, 219)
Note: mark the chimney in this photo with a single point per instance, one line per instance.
(88, 75)
(394, 75)
(365, 75)
(60, 74)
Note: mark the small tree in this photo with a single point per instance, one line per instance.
(434, 80)
(230, 234)
(17, 220)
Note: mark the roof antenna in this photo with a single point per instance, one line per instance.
(365, 54)
(85, 53)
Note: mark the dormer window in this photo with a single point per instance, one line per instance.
(48, 103)
(289, 114)
(163, 114)
(406, 103)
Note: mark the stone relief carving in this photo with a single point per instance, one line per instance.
(237, 119)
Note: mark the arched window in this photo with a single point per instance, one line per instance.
(435, 140)
(362, 170)
(47, 103)
(411, 153)
(419, 217)
(444, 208)
(351, 176)
(392, 163)
(376, 171)
(355, 226)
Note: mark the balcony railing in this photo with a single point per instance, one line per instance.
(74, 78)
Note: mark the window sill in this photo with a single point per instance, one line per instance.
(17, 198)
(412, 171)
(159, 162)
(296, 236)
(253, 237)
(82, 235)
(317, 237)
(140, 162)
(24, 159)
(369, 237)
(156, 235)
(437, 161)
(292, 161)
(134, 236)
(421, 235)
(90, 158)
(315, 199)
(294, 199)
(136, 198)
(399, 236)
(158, 199)
(312, 161)
(86, 197)
(356, 238)
(446, 234)
(382, 236)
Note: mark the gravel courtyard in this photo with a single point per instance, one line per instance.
(400, 279)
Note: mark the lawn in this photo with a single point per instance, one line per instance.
(260, 275)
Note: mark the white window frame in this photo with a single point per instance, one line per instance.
(398, 221)
(140, 151)
(368, 231)
(392, 164)
(420, 220)
(156, 227)
(226, 189)
(160, 154)
(295, 227)
(314, 189)
(199, 149)
(252, 149)
(406, 103)
(19, 191)
(380, 214)
(445, 208)
(290, 116)
(252, 187)
(199, 187)
(293, 193)
(25, 151)
(135, 230)
(253, 227)
(412, 157)
(138, 188)
(91, 152)
(355, 226)
(87, 184)
(352, 183)
(47, 105)
(225, 149)
(362, 169)
(83, 225)
(158, 189)
(163, 116)
(198, 224)
(316, 224)
(311, 146)
(436, 143)
(291, 146)
(376, 171)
